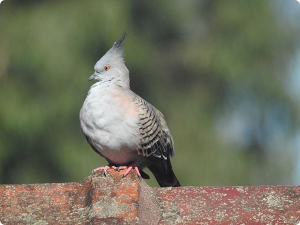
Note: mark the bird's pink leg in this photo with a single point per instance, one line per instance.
(129, 168)
(138, 172)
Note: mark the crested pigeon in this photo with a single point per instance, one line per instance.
(122, 127)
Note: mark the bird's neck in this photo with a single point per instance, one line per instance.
(122, 81)
(102, 85)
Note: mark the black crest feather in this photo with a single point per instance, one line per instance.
(120, 43)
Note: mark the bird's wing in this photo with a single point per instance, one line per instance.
(155, 139)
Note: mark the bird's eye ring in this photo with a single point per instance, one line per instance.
(107, 67)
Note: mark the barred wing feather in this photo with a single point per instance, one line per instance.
(155, 137)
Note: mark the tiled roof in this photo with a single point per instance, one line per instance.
(113, 200)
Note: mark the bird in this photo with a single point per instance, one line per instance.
(122, 127)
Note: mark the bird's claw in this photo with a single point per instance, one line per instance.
(129, 168)
(118, 168)
(104, 168)
(140, 178)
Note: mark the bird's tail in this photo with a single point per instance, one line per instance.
(164, 179)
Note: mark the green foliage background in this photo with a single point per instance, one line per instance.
(218, 70)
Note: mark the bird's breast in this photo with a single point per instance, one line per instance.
(110, 119)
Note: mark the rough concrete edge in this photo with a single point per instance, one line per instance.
(91, 186)
(88, 198)
(148, 210)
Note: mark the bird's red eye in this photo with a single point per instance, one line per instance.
(107, 67)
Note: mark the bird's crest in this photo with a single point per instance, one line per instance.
(115, 53)
(118, 46)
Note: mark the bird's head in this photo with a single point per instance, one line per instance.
(111, 67)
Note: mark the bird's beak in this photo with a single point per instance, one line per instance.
(92, 77)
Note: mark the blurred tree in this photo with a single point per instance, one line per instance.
(214, 68)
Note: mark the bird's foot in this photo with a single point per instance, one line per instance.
(104, 168)
(118, 168)
(128, 169)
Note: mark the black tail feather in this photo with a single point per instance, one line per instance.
(144, 175)
(164, 180)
